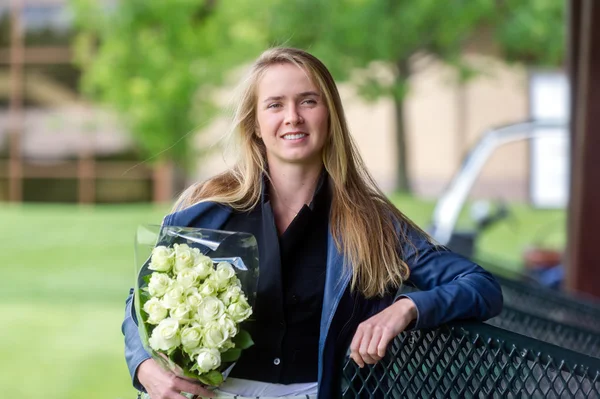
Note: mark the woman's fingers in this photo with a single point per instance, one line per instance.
(363, 348)
(162, 384)
(354, 347)
(386, 337)
(363, 351)
(193, 388)
(371, 355)
(373, 336)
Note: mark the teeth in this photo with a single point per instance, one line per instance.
(293, 136)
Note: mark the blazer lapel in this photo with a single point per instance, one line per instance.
(336, 280)
(208, 215)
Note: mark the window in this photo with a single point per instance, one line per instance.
(47, 25)
(4, 26)
(50, 85)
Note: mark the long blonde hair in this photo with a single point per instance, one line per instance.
(372, 246)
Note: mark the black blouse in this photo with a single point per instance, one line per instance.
(287, 313)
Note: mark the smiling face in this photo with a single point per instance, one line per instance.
(292, 116)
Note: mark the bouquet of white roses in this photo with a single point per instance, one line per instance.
(192, 293)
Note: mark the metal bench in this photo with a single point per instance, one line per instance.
(577, 339)
(528, 296)
(473, 360)
(550, 304)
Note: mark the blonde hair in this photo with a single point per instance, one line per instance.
(372, 246)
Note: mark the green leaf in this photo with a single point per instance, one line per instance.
(212, 378)
(243, 340)
(177, 356)
(192, 372)
(145, 296)
(231, 355)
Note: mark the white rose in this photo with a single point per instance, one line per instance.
(208, 288)
(184, 257)
(193, 300)
(240, 310)
(207, 359)
(214, 335)
(162, 259)
(228, 325)
(156, 311)
(223, 275)
(159, 284)
(235, 282)
(187, 278)
(203, 265)
(165, 336)
(174, 296)
(181, 312)
(210, 308)
(230, 295)
(190, 337)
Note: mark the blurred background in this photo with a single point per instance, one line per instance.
(108, 109)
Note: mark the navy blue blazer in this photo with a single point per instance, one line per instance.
(450, 287)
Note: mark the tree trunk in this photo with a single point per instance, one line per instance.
(402, 179)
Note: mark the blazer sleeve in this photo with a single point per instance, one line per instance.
(135, 353)
(449, 286)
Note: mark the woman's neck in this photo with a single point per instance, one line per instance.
(291, 187)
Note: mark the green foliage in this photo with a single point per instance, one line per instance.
(375, 43)
(231, 355)
(157, 63)
(351, 35)
(213, 378)
(533, 31)
(243, 340)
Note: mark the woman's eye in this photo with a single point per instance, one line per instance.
(309, 101)
(274, 105)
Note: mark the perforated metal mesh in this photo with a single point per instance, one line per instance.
(550, 304)
(574, 338)
(473, 360)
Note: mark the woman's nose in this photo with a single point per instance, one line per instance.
(293, 116)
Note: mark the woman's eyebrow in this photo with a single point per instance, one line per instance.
(272, 98)
(299, 95)
(309, 93)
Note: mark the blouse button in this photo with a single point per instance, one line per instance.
(276, 361)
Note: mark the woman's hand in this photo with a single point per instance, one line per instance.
(162, 384)
(374, 334)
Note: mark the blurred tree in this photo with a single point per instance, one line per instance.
(382, 38)
(532, 31)
(159, 62)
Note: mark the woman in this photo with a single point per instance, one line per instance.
(334, 252)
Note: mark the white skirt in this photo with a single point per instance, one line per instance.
(230, 396)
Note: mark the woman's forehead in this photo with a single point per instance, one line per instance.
(285, 80)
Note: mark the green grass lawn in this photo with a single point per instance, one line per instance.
(67, 271)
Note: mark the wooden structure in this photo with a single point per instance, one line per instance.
(583, 254)
(85, 169)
